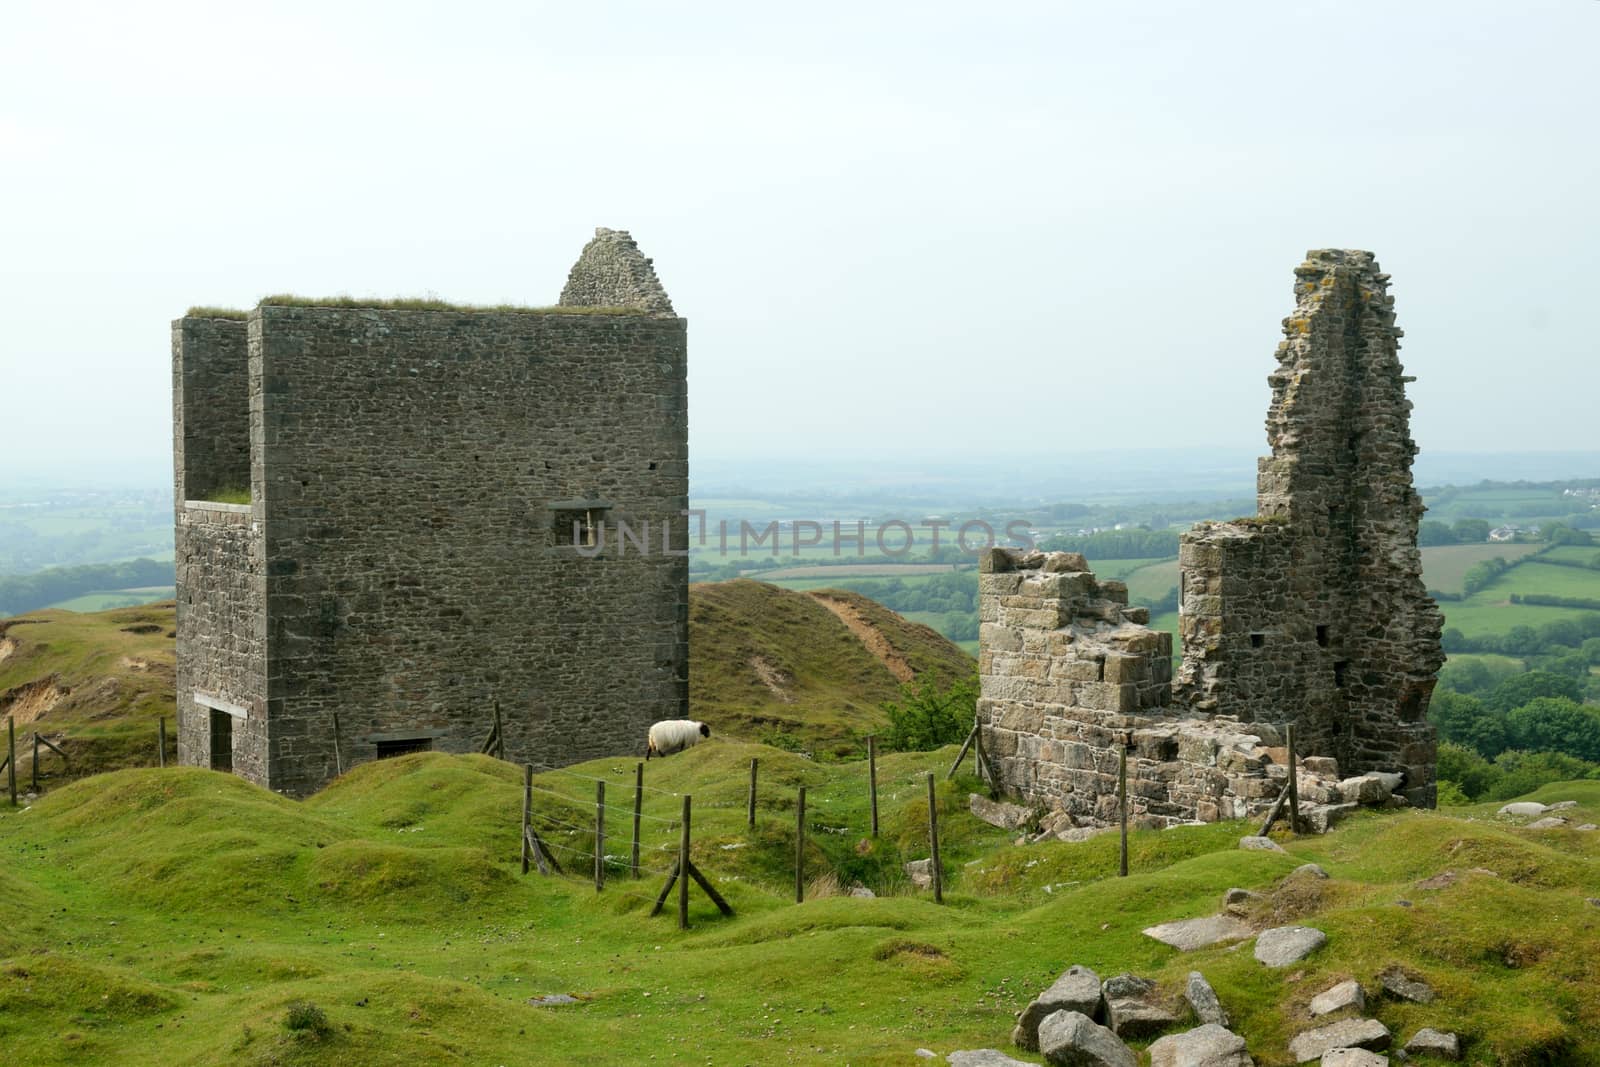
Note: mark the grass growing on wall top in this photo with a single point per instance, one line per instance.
(228, 495)
(417, 303)
(215, 313)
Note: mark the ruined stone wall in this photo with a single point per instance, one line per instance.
(221, 597)
(1312, 613)
(414, 463)
(1070, 676)
(1316, 612)
(210, 407)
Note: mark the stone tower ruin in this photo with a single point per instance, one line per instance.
(1312, 613)
(434, 496)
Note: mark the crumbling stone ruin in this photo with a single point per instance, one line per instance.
(431, 527)
(1312, 613)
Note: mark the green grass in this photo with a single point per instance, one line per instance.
(1547, 579)
(404, 303)
(215, 313)
(1489, 613)
(1153, 582)
(1120, 569)
(183, 917)
(767, 661)
(1444, 567)
(1573, 553)
(231, 494)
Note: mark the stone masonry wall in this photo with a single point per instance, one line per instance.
(210, 407)
(1316, 612)
(1312, 613)
(407, 559)
(221, 578)
(1070, 676)
(612, 272)
(411, 461)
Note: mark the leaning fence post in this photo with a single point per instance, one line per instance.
(750, 816)
(161, 741)
(338, 758)
(800, 848)
(933, 841)
(638, 811)
(1294, 783)
(527, 811)
(599, 836)
(683, 867)
(1122, 806)
(11, 756)
(872, 778)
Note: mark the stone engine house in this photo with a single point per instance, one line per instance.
(432, 527)
(1312, 613)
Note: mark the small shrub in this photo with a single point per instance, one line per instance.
(304, 1017)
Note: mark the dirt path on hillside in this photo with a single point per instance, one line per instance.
(869, 635)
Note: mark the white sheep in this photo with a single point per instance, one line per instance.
(675, 735)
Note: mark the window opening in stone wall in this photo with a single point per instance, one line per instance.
(1258, 640)
(403, 746)
(1340, 669)
(221, 741)
(1322, 635)
(578, 527)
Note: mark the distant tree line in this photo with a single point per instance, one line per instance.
(1463, 532)
(28, 592)
(1117, 544)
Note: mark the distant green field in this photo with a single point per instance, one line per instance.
(1153, 582)
(1488, 659)
(1549, 580)
(1168, 621)
(1481, 615)
(116, 598)
(1445, 567)
(1119, 569)
(1574, 553)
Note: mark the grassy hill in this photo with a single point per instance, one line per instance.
(94, 684)
(185, 917)
(806, 669)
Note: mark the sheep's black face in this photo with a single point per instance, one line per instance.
(705, 731)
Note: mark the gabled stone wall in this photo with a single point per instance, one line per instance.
(407, 560)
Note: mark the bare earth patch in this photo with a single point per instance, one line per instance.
(7, 646)
(31, 700)
(870, 636)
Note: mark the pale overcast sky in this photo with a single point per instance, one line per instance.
(953, 228)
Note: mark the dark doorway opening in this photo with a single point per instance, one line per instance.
(401, 747)
(221, 741)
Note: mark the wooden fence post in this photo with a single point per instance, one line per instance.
(1122, 806)
(338, 757)
(750, 816)
(11, 757)
(1294, 783)
(599, 836)
(36, 763)
(872, 778)
(527, 811)
(638, 811)
(980, 759)
(933, 840)
(161, 742)
(683, 867)
(800, 848)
